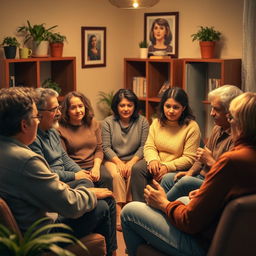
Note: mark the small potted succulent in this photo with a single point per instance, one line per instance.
(10, 45)
(207, 36)
(143, 49)
(39, 35)
(56, 44)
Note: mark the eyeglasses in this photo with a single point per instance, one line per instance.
(53, 110)
(229, 117)
(39, 117)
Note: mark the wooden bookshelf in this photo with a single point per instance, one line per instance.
(32, 72)
(196, 75)
(156, 72)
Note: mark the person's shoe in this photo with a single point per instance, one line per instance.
(119, 227)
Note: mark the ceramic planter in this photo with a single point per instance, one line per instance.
(10, 52)
(143, 53)
(40, 49)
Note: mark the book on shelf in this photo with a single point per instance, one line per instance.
(12, 81)
(139, 86)
(160, 57)
(163, 88)
(213, 83)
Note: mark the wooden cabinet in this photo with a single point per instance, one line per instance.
(156, 72)
(33, 71)
(202, 75)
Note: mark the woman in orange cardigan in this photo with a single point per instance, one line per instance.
(186, 227)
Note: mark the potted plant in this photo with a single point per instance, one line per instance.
(10, 45)
(143, 49)
(56, 44)
(207, 36)
(39, 35)
(49, 83)
(37, 240)
(105, 101)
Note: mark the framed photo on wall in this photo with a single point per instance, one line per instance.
(161, 31)
(93, 47)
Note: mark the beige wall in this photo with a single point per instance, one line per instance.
(124, 31)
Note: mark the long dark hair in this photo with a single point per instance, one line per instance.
(167, 37)
(181, 97)
(125, 94)
(87, 119)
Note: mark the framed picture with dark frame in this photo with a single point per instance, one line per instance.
(161, 31)
(93, 47)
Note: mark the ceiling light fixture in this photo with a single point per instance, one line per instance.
(133, 4)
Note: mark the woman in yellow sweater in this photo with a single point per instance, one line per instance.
(171, 144)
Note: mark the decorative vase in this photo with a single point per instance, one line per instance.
(207, 49)
(56, 49)
(143, 53)
(10, 52)
(40, 49)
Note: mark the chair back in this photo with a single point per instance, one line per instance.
(235, 233)
(7, 219)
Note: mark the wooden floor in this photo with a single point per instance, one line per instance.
(120, 244)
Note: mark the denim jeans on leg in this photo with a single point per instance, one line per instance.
(167, 181)
(143, 224)
(183, 186)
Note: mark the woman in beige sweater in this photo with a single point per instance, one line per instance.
(171, 144)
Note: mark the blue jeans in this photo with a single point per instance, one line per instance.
(100, 220)
(143, 224)
(182, 187)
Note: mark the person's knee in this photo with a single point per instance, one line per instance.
(131, 209)
(168, 180)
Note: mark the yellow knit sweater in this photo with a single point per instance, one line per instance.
(173, 145)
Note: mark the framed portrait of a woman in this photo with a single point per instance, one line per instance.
(93, 47)
(161, 33)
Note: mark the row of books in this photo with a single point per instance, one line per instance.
(213, 83)
(139, 86)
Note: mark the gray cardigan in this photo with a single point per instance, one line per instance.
(121, 144)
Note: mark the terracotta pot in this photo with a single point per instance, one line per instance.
(56, 49)
(207, 49)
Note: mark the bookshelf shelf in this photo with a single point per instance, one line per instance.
(156, 72)
(198, 74)
(32, 72)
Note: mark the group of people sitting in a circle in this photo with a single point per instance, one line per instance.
(155, 183)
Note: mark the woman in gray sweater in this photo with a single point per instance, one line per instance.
(123, 136)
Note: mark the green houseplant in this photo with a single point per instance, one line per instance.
(143, 49)
(143, 44)
(10, 45)
(56, 44)
(39, 35)
(49, 83)
(37, 240)
(207, 36)
(105, 101)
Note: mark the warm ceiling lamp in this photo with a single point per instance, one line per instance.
(133, 4)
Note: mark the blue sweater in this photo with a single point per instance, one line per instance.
(48, 145)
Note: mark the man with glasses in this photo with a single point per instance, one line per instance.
(48, 145)
(180, 184)
(28, 185)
